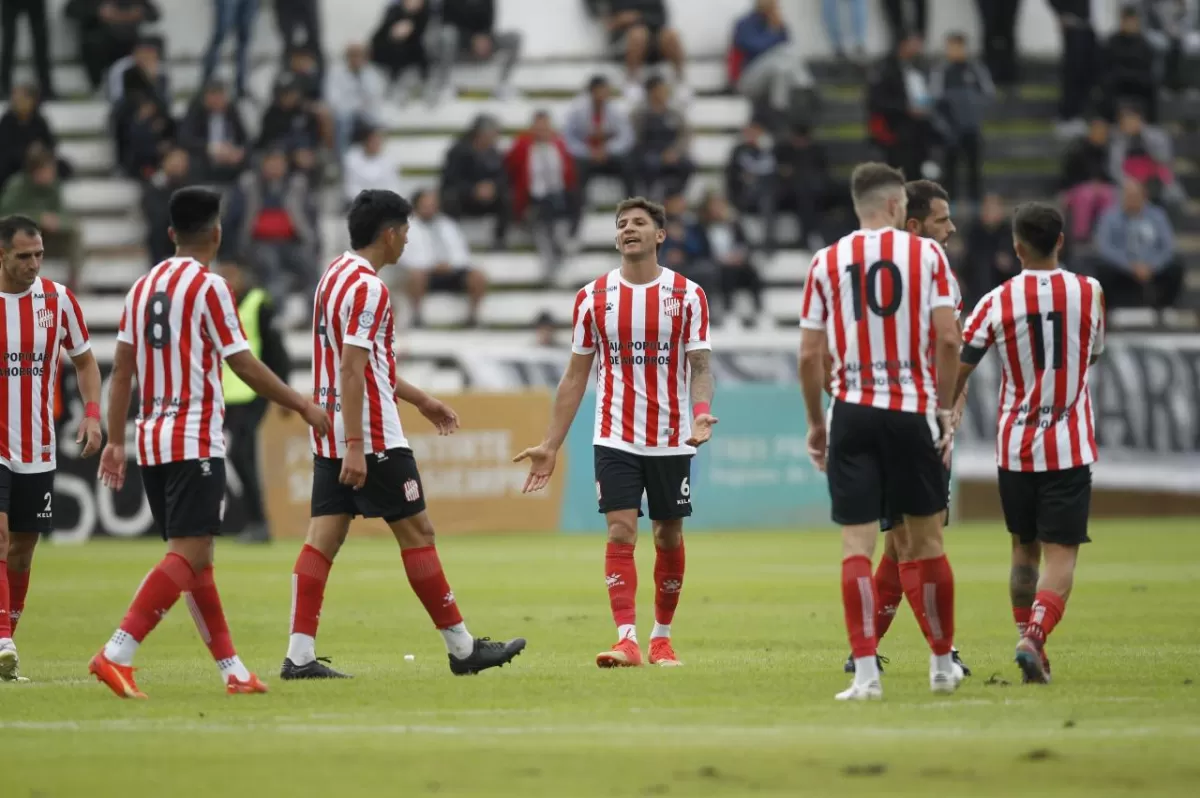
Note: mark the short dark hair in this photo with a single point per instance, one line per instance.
(11, 225)
(372, 211)
(1038, 226)
(921, 194)
(654, 81)
(956, 36)
(871, 176)
(194, 210)
(596, 82)
(658, 214)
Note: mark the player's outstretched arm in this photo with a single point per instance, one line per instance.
(701, 390)
(88, 374)
(267, 385)
(440, 414)
(571, 389)
(120, 389)
(814, 351)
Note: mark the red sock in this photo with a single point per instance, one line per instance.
(5, 620)
(859, 601)
(620, 573)
(18, 588)
(910, 581)
(1021, 618)
(309, 576)
(937, 602)
(158, 593)
(205, 604)
(425, 574)
(1047, 611)
(668, 582)
(887, 586)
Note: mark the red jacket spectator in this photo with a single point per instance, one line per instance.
(520, 163)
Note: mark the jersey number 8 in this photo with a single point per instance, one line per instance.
(855, 274)
(158, 320)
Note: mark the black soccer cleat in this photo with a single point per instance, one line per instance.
(487, 653)
(879, 660)
(954, 656)
(317, 669)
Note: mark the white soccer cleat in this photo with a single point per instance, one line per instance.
(945, 682)
(9, 661)
(870, 691)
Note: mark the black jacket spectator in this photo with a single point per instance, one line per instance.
(899, 122)
(663, 137)
(805, 185)
(288, 124)
(990, 258)
(399, 41)
(474, 180)
(108, 30)
(22, 127)
(1086, 159)
(751, 179)
(651, 13)
(719, 240)
(156, 193)
(214, 136)
(1129, 61)
(473, 23)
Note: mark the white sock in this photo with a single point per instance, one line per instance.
(866, 670)
(627, 631)
(941, 663)
(660, 630)
(302, 649)
(459, 642)
(121, 647)
(233, 667)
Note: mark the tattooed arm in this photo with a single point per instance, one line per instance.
(701, 383)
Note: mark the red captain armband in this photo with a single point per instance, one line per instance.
(92, 410)
(700, 409)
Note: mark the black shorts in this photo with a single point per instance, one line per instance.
(187, 498)
(1047, 506)
(622, 478)
(889, 520)
(28, 499)
(453, 281)
(877, 456)
(619, 44)
(393, 489)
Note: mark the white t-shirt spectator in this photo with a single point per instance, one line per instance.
(361, 171)
(439, 240)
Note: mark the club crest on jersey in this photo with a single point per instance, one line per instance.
(45, 317)
(366, 319)
(232, 322)
(412, 491)
(672, 306)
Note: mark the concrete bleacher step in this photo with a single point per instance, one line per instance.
(100, 195)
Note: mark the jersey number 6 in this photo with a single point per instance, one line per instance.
(855, 274)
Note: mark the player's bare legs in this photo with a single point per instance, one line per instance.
(9, 661)
(326, 534)
(620, 574)
(1022, 586)
(929, 585)
(859, 601)
(669, 561)
(1053, 590)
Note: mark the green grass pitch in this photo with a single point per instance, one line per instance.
(752, 712)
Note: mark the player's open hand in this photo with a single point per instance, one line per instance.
(316, 418)
(541, 459)
(818, 446)
(701, 429)
(441, 415)
(112, 466)
(90, 436)
(354, 466)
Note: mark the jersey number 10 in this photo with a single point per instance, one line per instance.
(855, 274)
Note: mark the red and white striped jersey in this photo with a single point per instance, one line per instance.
(352, 306)
(1047, 325)
(181, 321)
(873, 293)
(34, 326)
(643, 334)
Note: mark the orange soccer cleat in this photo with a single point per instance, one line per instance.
(625, 654)
(119, 678)
(662, 654)
(248, 687)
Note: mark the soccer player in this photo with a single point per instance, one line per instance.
(363, 465)
(928, 216)
(650, 326)
(1047, 325)
(879, 300)
(38, 317)
(179, 323)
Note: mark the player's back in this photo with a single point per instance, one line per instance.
(181, 321)
(1047, 327)
(873, 292)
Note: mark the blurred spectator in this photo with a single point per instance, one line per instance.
(673, 253)
(1171, 26)
(474, 180)
(10, 12)
(23, 127)
(140, 91)
(1129, 66)
(1146, 154)
(772, 66)
(962, 89)
(999, 39)
(718, 239)
(299, 23)
(473, 26)
(990, 259)
(750, 179)
(663, 138)
(144, 135)
(1079, 63)
(399, 42)
(213, 134)
(542, 175)
(639, 33)
(438, 260)
(108, 31)
(239, 15)
(544, 332)
(599, 136)
(355, 92)
(275, 231)
(290, 125)
(302, 63)
(1136, 261)
(906, 17)
(833, 13)
(156, 194)
(141, 73)
(805, 185)
(900, 109)
(1086, 182)
(37, 192)
(368, 165)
